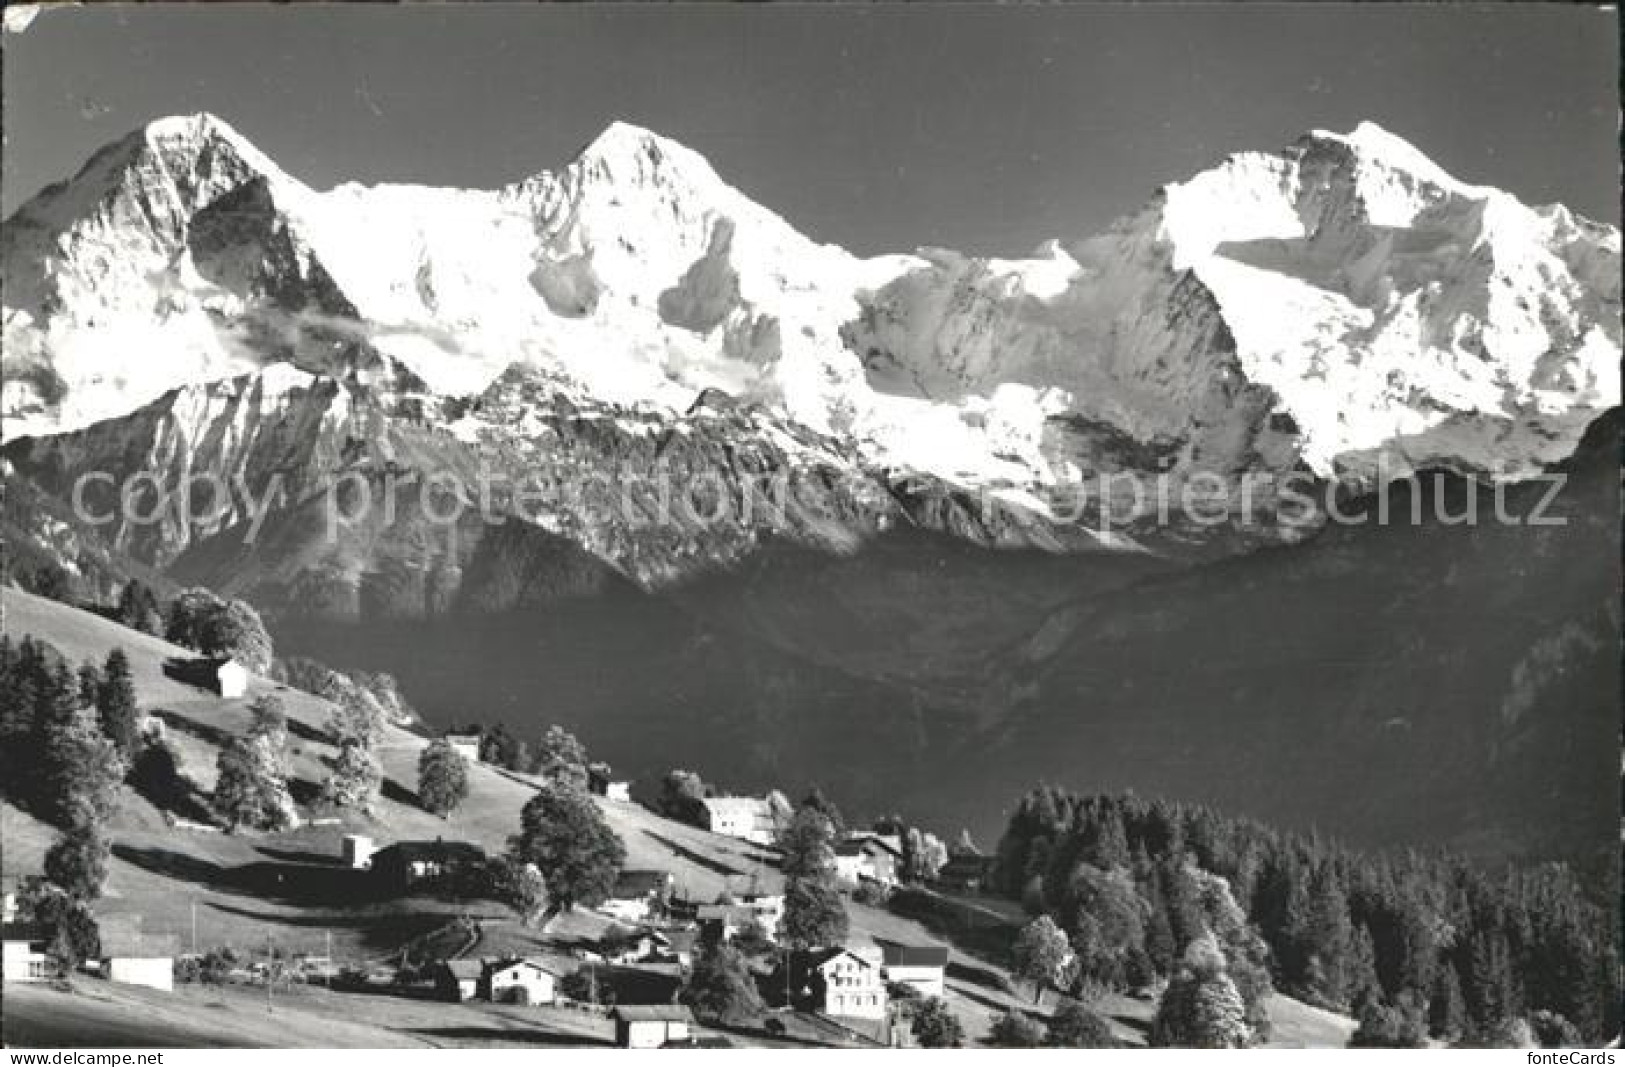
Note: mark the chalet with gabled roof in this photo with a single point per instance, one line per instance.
(922, 968)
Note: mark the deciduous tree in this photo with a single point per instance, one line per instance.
(563, 833)
(1075, 1026)
(442, 778)
(355, 780)
(1015, 1030)
(721, 987)
(1042, 955)
(521, 886)
(561, 758)
(682, 797)
(934, 1026)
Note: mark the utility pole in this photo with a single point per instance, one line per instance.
(329, 959)
(269, 980)
(194, 927)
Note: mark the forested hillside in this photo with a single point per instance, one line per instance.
(1417, 945)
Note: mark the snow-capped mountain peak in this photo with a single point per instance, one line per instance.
(627, 154)
(1375, 145)
(1332, 304)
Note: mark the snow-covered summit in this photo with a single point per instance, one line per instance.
(1329, 305)
(1342, 304)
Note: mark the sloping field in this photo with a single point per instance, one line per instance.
(241, 889)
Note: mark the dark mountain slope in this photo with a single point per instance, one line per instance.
(1399, 684)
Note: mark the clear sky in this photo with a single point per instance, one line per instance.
(883, 128)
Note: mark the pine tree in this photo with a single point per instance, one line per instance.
(814, 916)
(75, 936)
(156, 775)
(238, 795)
(1447, 1011)
(818, 802)
(1492, 996)
(1327, 936)
(115, 703)
(138, 609)
(77, 862)
(90, 684)
(1202, 1008)
(1110, 849)
(1159, 934)
(1218, 1015)
(1360, 973)
(85, 772)
(21, 677)
(808, 845)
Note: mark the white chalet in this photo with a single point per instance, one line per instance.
(747, 818)
(519, 981)
(229, 678)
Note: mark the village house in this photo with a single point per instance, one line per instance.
(465, 745)
(406, 864)
(850, 863)
(624, 947)
(358, 851)
(721, 923)
(842, 981)
(969, 873)
(679, 947)
(519, 981)
(746, 818)
(24, 958)
(228, 678)
(882, 856)
(133, 958)
(651, 1025)
(768, 909)
(621, 791)
(150, 728)
(922, 968)
(866, 858)
(892, 843)
(637, 896)
(458, 980)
